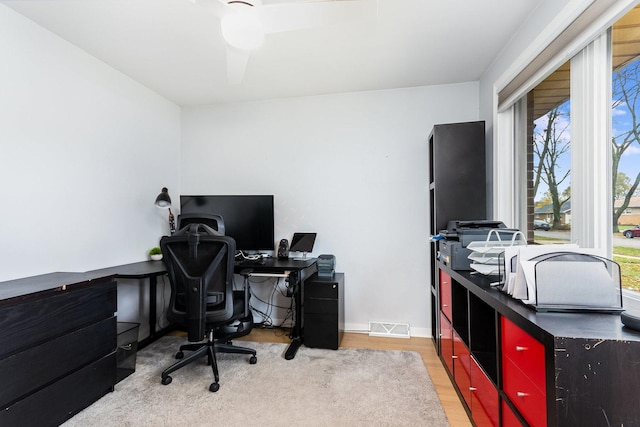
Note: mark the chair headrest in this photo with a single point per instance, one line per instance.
(193, 233)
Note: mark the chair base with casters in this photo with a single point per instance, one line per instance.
(209, 348)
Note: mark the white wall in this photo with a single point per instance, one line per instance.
(352, 167)
(84, 152)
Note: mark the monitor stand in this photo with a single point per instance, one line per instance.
(303, 258)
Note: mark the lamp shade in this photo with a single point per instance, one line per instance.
(163, 200)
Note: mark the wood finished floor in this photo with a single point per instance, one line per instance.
(424, 346)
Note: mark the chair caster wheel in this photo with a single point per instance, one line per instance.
(214, 387)
(253, 360)
(166, 380)
(179, 355)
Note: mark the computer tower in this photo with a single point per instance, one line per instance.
(323, 311)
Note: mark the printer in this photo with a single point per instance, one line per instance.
(452, 248)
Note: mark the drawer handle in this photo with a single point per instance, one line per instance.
(445, 305)
(521, 394)
(473, 389)
(521, 348)
(454, 357)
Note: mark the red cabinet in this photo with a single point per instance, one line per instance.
(509, 419)
(446, 343)
(514, 366)
(484, 398)
(445, 294)
(523, 372)
(462, 368)
(479, 393)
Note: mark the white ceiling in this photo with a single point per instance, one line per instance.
(175, 48)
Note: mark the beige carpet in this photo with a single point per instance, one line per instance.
(347, 387)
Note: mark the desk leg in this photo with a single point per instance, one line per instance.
(296, 334)
(153, 287)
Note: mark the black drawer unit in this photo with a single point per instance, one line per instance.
(323, 311)
(58, 353)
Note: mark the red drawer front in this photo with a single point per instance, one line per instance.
(509, 419)
(484, 398)
(524, 351)
(446, 343)
(445, 294)
(522, 392)
(462, 368)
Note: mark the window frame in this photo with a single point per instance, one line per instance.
(590, 85)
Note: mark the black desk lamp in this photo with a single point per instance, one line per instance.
(164, 201)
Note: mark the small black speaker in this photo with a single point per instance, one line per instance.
(283, 249)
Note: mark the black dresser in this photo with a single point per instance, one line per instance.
(57, 346)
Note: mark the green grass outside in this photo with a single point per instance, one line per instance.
(629, 267)
(621, 250)
(630, 271)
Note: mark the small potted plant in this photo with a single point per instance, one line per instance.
(155, 254)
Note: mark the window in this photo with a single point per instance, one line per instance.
(594, 120)
(625, 138)
(550, 146)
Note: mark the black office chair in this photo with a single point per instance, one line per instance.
(199, 263)
(212, 220)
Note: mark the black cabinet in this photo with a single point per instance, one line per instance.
(545, 369)
(457, 173)
(457, 187)
(58, 347)
(323, 310)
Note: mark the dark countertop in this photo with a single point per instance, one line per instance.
(545, 325)
(58, 281)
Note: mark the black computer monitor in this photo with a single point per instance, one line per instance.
(248, 219)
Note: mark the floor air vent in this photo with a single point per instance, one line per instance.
(394, 330)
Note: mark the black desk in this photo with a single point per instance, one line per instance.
(152, 269)
(293, 269)
(139, 270)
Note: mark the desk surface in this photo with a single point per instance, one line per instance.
(137, 270)
(55, 281)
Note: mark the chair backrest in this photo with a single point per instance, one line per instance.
(199, 263)
(214, 221)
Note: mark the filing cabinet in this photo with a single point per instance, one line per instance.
(323, 311)
(58, 350)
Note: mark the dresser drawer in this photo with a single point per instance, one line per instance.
(29, 370)
(445, 294)
(524, 394)
(484, 398)
(509, 418)
(524, 351)
(446, 343)
(462, 367)
(61, 400)
(41, 317)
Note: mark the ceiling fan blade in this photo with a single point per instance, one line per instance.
(296, 16)
(237, 60)
(217, 7)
